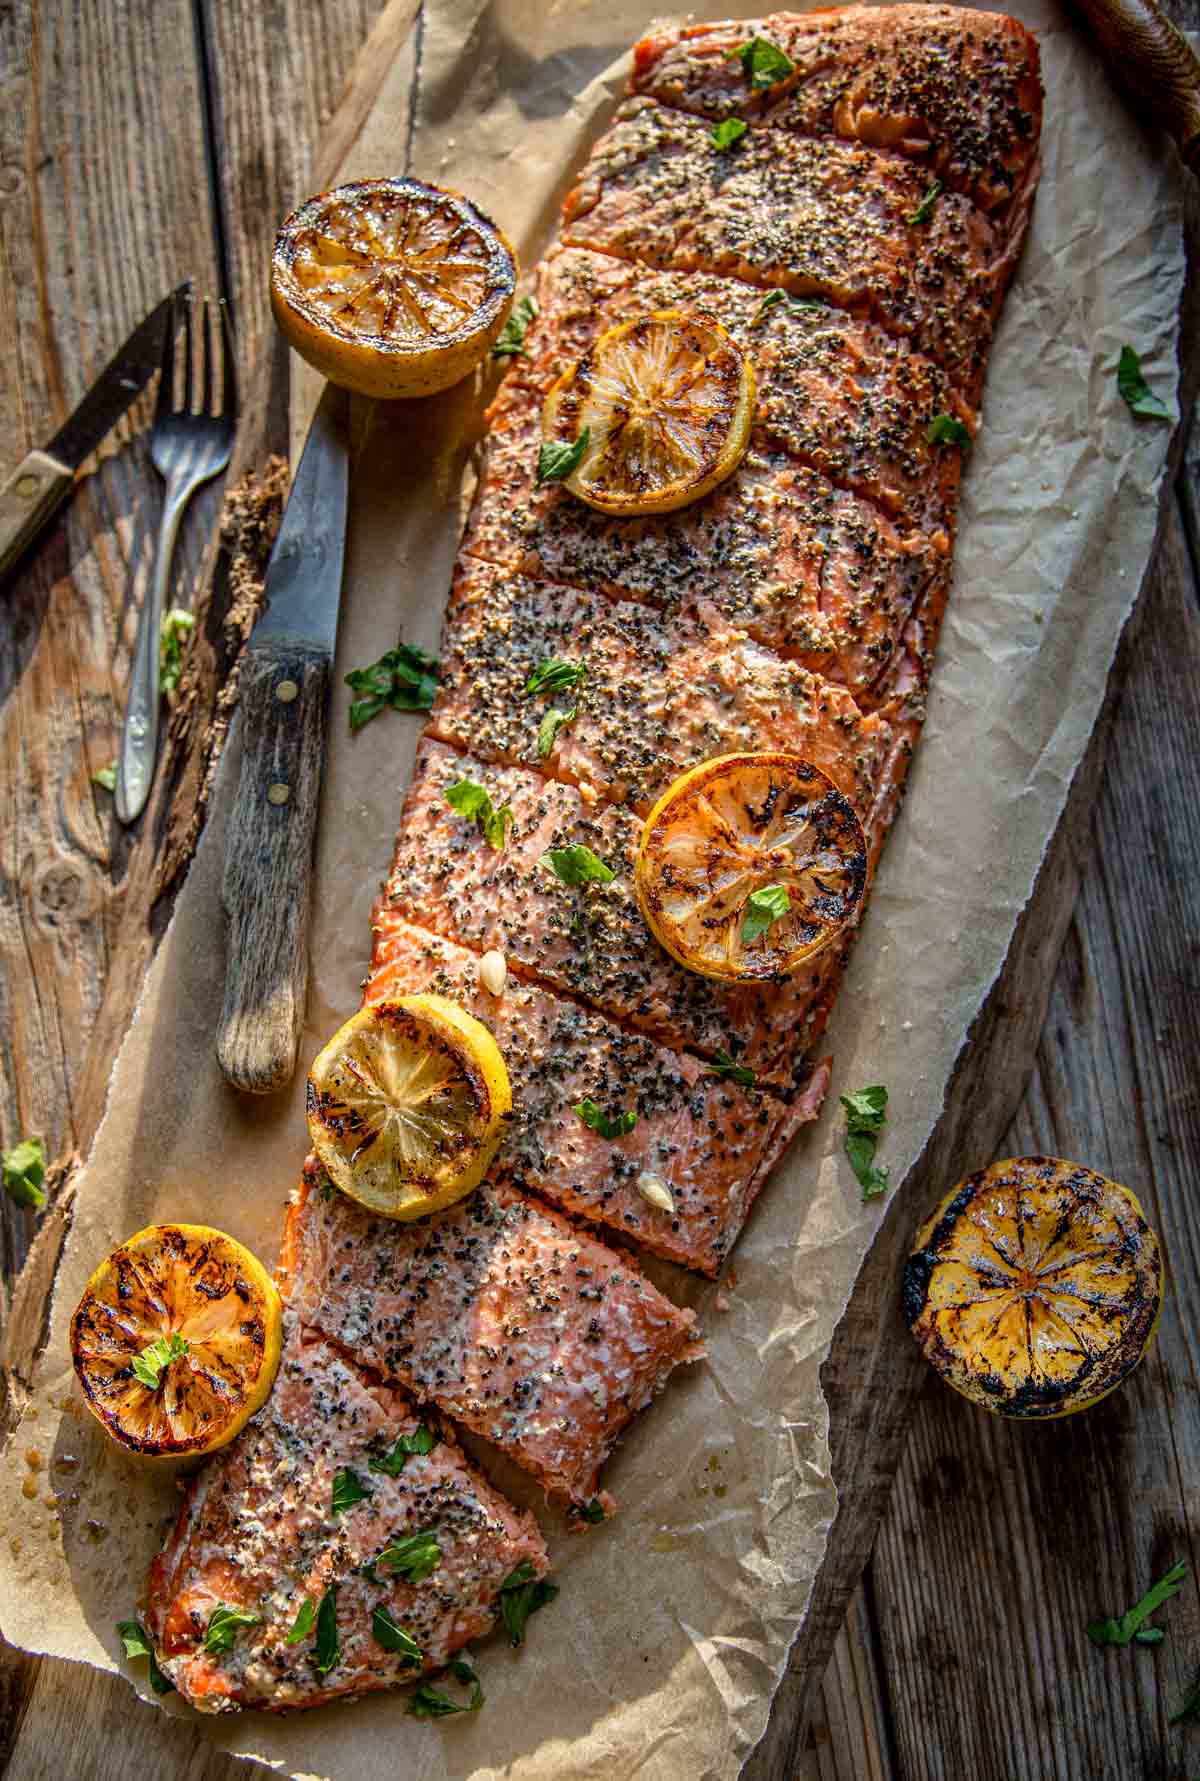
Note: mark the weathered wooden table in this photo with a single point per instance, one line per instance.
(142, 144)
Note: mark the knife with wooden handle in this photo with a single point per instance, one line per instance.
(1156, 63)
(283, 699)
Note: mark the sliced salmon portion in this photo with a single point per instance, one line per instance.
(711, 1143)
(834, 392)
(590, 941)
(957, 91)
(498, 1311)
(661, 693)
(258, 1532)
(812, 573)
(827, 219)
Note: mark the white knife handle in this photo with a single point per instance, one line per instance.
(34, 491)
(283, 693)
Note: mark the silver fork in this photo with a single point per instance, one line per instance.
(186, 449)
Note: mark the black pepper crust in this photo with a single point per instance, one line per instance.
(827, 219)
(957, 92)
(589, 941)
(835, 392)
(709, 1141)
(663, 692)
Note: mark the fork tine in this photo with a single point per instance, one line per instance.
(206, 359)
(229, 390)
(187, 356)
(165, 401)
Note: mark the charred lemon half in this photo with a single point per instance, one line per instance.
(1035, 1287)
(749, 865)
(407, 1105)
(392, 287)
(176, 1340)
(664, 405)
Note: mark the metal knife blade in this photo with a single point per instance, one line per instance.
(283, 693)
(119, 384)
(304, 576)
(43, 479)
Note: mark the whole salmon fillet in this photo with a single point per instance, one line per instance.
(857, 245)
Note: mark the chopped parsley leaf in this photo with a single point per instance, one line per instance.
(393, 1637)
(763, 63)
(947, 429)
(764, 907)
(415, 1557)
(176, 625)
(866, 1110)
(924, 209)
(1128, 1628)
(303, 1623)
(328, 1652)
(474, 804)
(405, 678)
(554, 675)
(223, 1623)
(609, 1126)
(149, 1364)
(577, 865)
(510, 343)
(24, 1170)
(553, 721)
(136, 1644)
(422, 1440)
(348, 1489)
(593, 1511)
(728, 1066)
(728, 133)
(559, 458)
(522, 1594)
(427, 1703)
(1137, 392)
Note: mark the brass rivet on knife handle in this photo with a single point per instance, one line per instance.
(1155, 63)
(267, 886)
(27, 499)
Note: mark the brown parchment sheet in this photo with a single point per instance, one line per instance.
(660, 1656)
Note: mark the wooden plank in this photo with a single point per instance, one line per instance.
(282, 65)
(1001, 1542)
(96, 153)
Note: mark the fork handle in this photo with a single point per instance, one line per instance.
(35, 490)
(283, 696)
(139, 738)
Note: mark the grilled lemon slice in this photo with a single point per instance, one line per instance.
(407, 1105)
(749, 865)
(392, 287)
(667, 403)
(1035, 1287)
(176, 1340)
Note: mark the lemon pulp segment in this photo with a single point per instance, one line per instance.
(407, 1104)
(392, 287)
(743, 824)
(667, 403)
(1035, 1287)
(208, 1313)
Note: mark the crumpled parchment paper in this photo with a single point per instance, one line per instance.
(673, 1625)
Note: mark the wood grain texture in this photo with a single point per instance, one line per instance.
(267, 885)
(92, 233)
(103, 207)
(1156, 64)
(1001, 1542)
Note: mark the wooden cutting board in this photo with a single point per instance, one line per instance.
(871, 1371)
